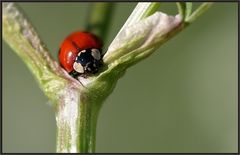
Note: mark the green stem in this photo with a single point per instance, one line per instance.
(151, 9)
(77, 106)
(77, 119)
(188, 9)
(89, 113)
(99, 17)
(199, 11)
(181, 9)
(21, 36)
(76, 123)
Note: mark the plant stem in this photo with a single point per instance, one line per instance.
(77, 106)
(99, 17)
(77, 119)
(181, 9)
(89, 113)
(200, 10)
(76, 122)
(21, 36)
(151, 9)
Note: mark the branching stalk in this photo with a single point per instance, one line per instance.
(77, 102)
(199, 11)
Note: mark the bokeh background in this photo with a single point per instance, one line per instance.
(181, 99)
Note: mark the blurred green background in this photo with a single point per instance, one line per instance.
(183, 98)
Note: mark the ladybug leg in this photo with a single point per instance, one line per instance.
(74, 74)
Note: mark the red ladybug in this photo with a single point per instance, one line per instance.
(80, 53)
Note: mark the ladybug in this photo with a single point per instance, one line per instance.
(81, 54)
